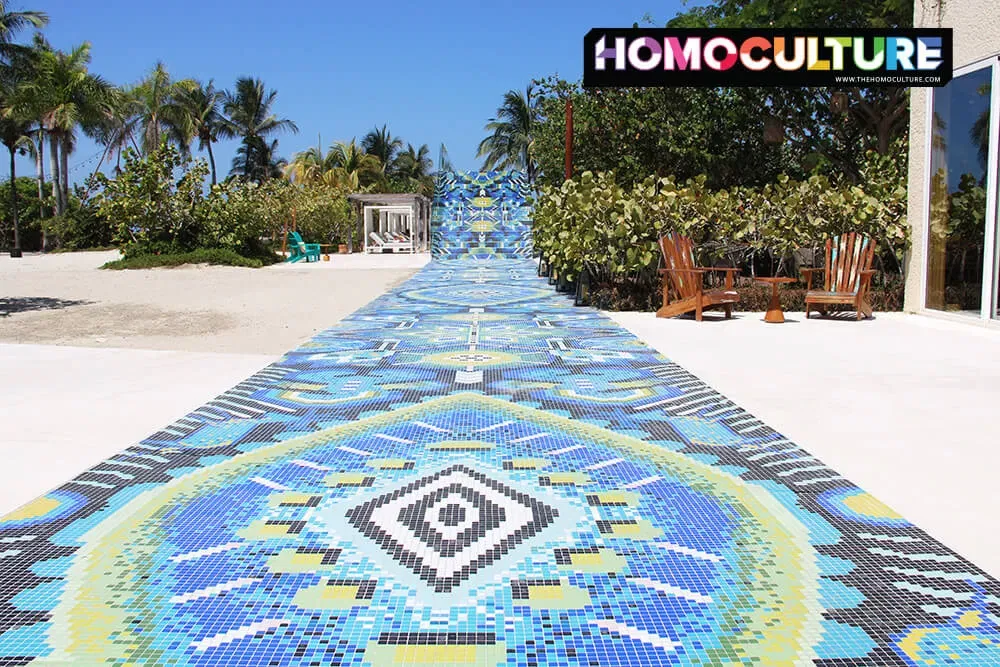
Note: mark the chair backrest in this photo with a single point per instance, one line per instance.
(295, 244)
(847, 256)
(678, 253)
(376, 238)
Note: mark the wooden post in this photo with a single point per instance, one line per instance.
(284, 233)
(569, 138)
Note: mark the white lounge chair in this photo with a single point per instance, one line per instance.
(379, 244)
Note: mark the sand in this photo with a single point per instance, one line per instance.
(96, 360)
(65, 299)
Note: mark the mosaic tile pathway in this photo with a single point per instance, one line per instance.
(471, 471)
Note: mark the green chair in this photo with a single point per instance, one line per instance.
(299, 249)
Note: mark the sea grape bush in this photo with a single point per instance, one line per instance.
(158, 204)
(593, 223)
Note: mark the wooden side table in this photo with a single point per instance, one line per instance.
(774, 313)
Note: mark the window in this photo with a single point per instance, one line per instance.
(962, 208)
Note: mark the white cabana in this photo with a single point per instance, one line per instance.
(393, 222)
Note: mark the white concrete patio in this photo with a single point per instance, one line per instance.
(69, 408)
(903, 405)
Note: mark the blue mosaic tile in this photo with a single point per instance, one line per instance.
(482, 215)
(471, 471)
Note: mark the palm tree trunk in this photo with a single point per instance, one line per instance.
(211, 161)
(40, 170)
(246, 165)
(154, 133)
(54, 170)
(13, 204)
(64, 158)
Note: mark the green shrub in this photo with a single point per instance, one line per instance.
(81, 226)
(201, 256)
(593, 223)
(28, 215)
(322, 213)
(231, 217)
(159, 207)
(153, 199)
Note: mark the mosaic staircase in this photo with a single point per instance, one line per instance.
(481, 215)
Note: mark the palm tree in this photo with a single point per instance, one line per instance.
(257, 160)
(202, 111)
(415, 165)
(510, 144)
(160, 112)
(14, 134)
(63, 95)
(340, 179)
(250, 117)
(118, 126)
(12, 23)
(355, 164)
(380, 143)
(38, 135)
(308, 166)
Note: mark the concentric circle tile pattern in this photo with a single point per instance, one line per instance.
(471, 471)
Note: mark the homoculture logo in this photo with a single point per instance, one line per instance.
(827, 57)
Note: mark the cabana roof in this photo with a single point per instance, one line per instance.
(388, 198)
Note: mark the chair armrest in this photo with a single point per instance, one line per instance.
(866, 278)
(730, 273)
(662, 271)
(808, 275)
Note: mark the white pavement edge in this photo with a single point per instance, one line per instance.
(904, 406)
(68, 408)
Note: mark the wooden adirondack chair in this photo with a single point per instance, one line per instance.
(299, 249)
(682, 279)
(847, 275)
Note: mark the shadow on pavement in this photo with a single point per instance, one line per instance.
(24, 304)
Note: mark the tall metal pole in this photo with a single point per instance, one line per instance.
(569, 138)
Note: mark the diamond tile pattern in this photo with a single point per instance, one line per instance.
(471, 471)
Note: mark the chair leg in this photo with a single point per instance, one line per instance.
(729, 311)
(697, 310)
(807, 311)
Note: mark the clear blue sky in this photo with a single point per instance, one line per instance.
(434, 71)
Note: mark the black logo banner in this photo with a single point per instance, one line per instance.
(636, 57)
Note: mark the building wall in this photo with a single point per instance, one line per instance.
(976, 25)
(481, 215)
